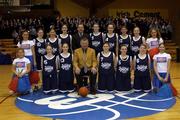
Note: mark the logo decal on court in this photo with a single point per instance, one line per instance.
(93, 107)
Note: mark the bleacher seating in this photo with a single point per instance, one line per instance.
(7, 47)
(172, 49)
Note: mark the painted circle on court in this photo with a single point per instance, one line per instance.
(94, 107)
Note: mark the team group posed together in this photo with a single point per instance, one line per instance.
(104, 62)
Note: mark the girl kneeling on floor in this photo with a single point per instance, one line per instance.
(21, 68)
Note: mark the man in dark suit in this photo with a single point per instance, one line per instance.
(77, 37)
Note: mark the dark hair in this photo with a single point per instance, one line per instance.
(158, 33)
(111, 24)
(40, 29)
(48, 45)
(21, 38)
(161, 44)
(84, 39)
(52, 29)
(106, 42)
(66, 44)
(96, 24)
(80, 24)
(123, 27)
(123, 45)
(64, 25)
(143, 45)
(19, 49)
(137, 28)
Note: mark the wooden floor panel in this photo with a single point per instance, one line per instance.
(8, 110)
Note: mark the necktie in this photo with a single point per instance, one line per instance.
(84, 60)
(80, 34)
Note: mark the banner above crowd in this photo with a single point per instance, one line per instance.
(139, 13)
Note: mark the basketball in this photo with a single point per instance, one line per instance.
(153, 52)
(83, 91)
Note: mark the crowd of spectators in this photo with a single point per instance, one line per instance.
(12, 27)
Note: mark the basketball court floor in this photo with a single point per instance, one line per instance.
(11, 110)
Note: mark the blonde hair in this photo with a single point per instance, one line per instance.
(19, 49)
(158, 33)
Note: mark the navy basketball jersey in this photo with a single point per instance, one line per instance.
(55, 45)
(65, 64)
(112, 42)
(135, 44)
(67, 39)
(106, 64)
(40, 47)
(142, 66)
(49, 65)
(66, 77)
(49, 74)
(123, 65)
(96, 42)
(125, 41)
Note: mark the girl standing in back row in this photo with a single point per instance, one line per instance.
(54, 42)
(136, 41)
(125, 39)
(153, 41)
(112, 39)
(96, 39)
(40, 50)
(28, 46)
(65, 37)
